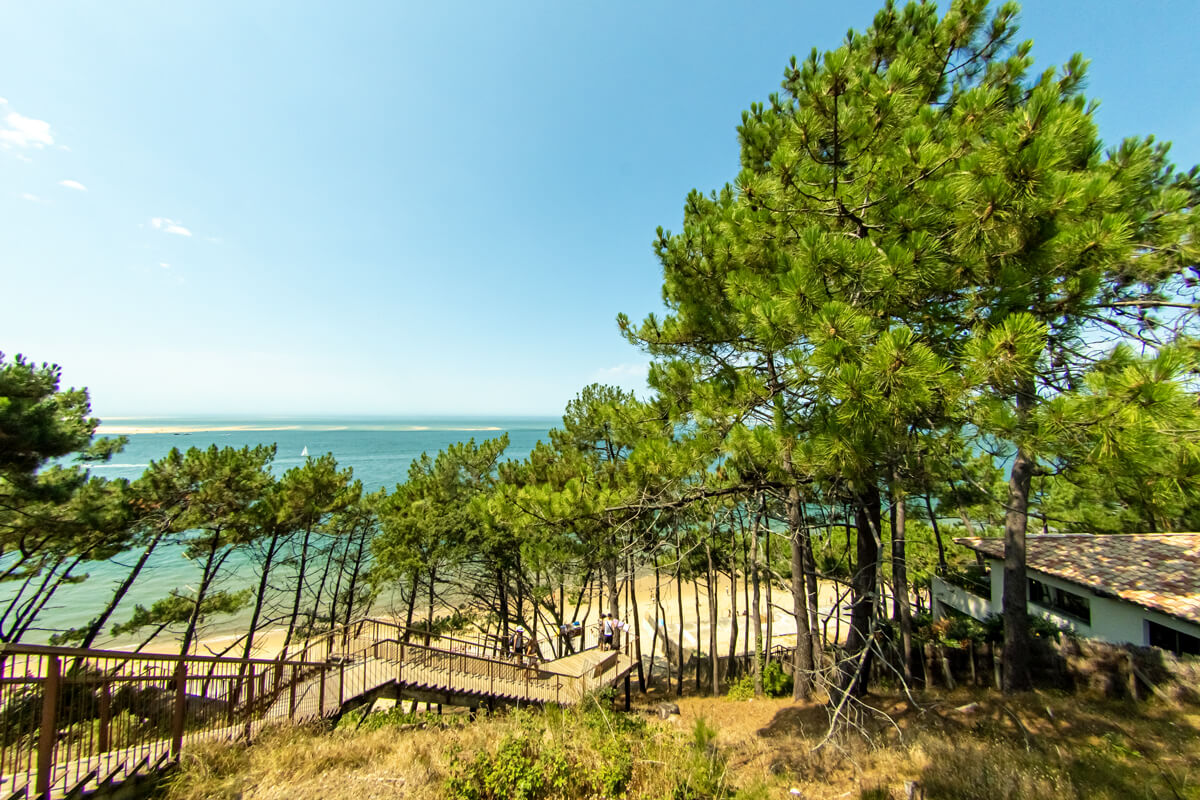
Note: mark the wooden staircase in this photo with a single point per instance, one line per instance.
(70, 703)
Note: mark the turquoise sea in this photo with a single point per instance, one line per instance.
(378, 450)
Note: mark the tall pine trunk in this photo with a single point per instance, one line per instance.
(856, 663)
(291, 629)
(358, 560)
(1016, 518)
(614, 595)
(902, 609)
(679, 600)
(810, 578)
(714, 656)
(96, 626)
(637, 627)
(733, 606)
(755, 615)
(211, 565)
(260, 596)
(937, 536)
(699, 652)
(769, 571)
(802, 658)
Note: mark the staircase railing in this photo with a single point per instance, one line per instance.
(72, 718)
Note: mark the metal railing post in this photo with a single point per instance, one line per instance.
(292, 696)
(105, 717)
(250, 704)
(321, 692)
(180, 708)
(48, 733)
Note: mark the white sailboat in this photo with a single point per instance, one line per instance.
(304, 452)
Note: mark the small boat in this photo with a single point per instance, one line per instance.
(304, 452)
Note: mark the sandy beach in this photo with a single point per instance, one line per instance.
(106, 429)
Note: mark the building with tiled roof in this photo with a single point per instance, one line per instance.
(1138, 588)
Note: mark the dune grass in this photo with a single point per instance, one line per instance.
(957, 746)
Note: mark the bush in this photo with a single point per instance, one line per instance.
(742, 688)
(530, 765)
(704, 777)
(776, 683)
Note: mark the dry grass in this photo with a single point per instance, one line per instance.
(1033, 746)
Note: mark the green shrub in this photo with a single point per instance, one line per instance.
(742, 688)
(704, 777)
(592, 756)
(776, 682)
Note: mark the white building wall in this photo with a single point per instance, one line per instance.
(956, 597)
(1112, 619)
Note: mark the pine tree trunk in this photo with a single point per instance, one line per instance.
(699, 652)
(900, 601)
(755, 616)
(287, 640)
(614, 595)
(746, 535)
(315, 614)
(637, 627)
(770, 598)
(429, 618)
(412, 603)
(937, 536)
(502, 586)
(733, 606)
(1016, 518)
(260, 596)
(856, 664)
(358, 559)
(810, 577)
(679, 600)
(337, 584)
(97, 625)
(713, 656)
(802, 658)
(205, 580)
(660, 620)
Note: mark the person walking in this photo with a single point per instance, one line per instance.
(518, 644)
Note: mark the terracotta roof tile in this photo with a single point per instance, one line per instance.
(1160, 571)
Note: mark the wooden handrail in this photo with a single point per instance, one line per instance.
(20, 649)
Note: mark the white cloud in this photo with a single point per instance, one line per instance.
(164, 265)
(18, 130)
(76, 185)
(169, 226)
(33, 198)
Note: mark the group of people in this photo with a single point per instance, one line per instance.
(522, 644)
(523, 647)
(608, 628)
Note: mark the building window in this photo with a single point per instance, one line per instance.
(1060, 601)
(1170, 639)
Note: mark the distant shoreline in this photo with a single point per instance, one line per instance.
(129, 430)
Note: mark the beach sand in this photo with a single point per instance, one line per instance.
(106, 429)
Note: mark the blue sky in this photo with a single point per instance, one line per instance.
(399, 208)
